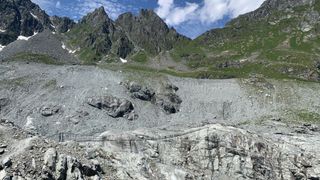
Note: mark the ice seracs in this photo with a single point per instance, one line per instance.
(123, 60)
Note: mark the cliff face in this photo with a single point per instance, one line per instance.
(208, 152)
(62, 24)
(97, 36)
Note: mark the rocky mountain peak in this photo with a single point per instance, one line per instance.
(97, 17)
(148, 31)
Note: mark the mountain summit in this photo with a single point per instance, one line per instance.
(149, 31)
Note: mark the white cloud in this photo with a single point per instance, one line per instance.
(165, 7)
(209, 11)
(181, 14)
(45, 4)
(58, 4)
(113, 8)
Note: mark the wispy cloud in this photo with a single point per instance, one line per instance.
(45, 4)
(209, 11)
(78, 8)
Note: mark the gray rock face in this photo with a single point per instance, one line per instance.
(61, 167)
(62, 24)
(99, 33)
(114, 107)
(210, 152)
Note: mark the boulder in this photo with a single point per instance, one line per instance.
(4, 102)
(6, 162)
(169, 101)
(49, 110)
(114, 107)
(140, 92)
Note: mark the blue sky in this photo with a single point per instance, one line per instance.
(188, 17)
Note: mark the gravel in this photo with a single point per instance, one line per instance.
(43, 43)
(29, 87)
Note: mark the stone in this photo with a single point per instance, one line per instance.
(169, 102)
(6, 162)
(140, 92)
(4, 102)
(114, 107)
(49, 110)
(88, 171)
(3, 146)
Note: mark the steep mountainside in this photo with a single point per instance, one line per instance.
(96, 35)
(279, 40)
(62, 24)
(21, 17)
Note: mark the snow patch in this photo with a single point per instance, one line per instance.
(2, 30)
(1, 47)
(24, 38)
(69, 50)
(123, 60)
(63, 46)
(34, 16)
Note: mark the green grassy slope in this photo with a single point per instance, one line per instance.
(281, 45)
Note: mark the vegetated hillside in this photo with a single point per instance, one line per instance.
(279, 40)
